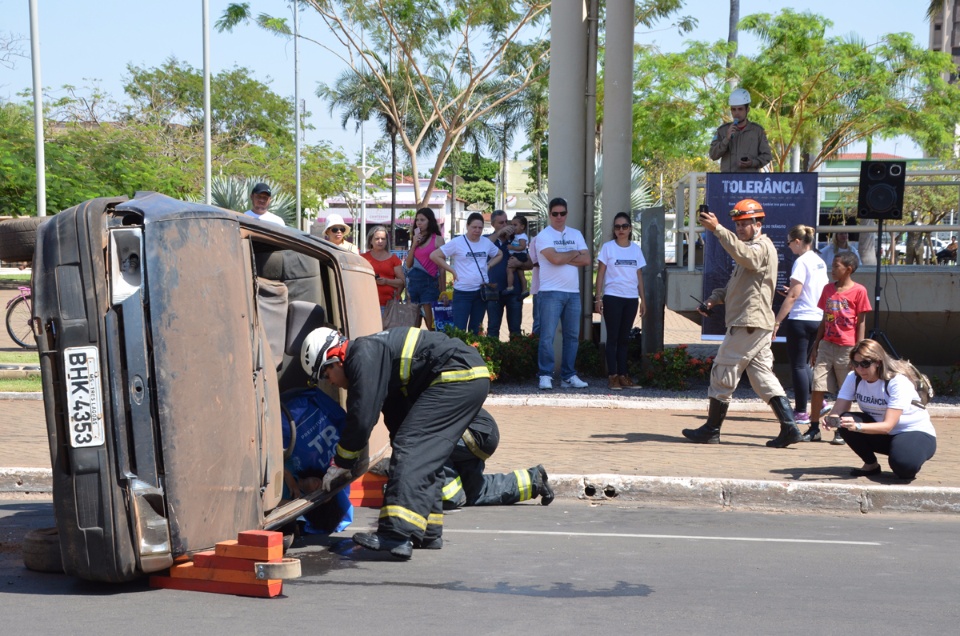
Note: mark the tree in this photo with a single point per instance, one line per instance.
(457, 61)
(479, 194)
(825, 93)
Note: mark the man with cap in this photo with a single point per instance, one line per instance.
(741, 145)
(336, 231)
(430, 388)
(748, 300)
(260, 200)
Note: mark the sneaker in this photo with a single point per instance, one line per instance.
(801, 417)
(627, 383)
(613, 383)
(573, 382)
(826, 408)
(524, 295)
(508, 290)
(546, 383)
(837, 439)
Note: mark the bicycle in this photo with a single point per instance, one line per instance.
(19, 317)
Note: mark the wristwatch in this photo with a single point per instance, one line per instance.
(858, 426)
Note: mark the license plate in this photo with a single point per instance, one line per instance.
(84, 405)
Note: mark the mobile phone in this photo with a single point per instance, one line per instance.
(704, 208)
(744, 158)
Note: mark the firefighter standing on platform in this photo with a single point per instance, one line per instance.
(430, 387)
(466, 485)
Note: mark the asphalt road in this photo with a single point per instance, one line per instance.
(571, 568)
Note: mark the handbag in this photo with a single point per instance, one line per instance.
(400, 314)
(488, 291)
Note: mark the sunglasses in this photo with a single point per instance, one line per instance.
(863, 364)
(338, 230)
(564, 213)
(621, 226)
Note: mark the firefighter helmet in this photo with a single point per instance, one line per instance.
(747, 209)
(740, 97)
(321, 347)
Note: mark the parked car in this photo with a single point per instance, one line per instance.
(167, 331)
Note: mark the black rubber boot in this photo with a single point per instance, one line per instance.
(709, 433)
(789, 433)
(400, 547)
(428, 543)
(543, 486)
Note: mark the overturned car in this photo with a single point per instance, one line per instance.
(167, 332)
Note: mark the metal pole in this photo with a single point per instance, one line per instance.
(590, 170)
(363, 194)
(296, 98)
(207, 168)
(38, 109)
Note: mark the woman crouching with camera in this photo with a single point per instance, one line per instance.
(894, 421)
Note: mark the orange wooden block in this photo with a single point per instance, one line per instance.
(233, 549)
(367, 491)
(191, 571)
(209, 559)
(274, 588)
(260, 538)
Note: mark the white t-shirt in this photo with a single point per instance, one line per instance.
(811, 271)
(515, 244)
(470, 261)
(269, 217)
(564, 278)
(622, 263)
(899, 393)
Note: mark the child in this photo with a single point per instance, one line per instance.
(518, 248)
(844, 304)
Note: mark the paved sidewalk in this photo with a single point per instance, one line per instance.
(633, 450)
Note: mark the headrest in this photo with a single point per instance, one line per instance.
(302, 318)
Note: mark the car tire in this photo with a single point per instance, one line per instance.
(41, 550)
(18, 238)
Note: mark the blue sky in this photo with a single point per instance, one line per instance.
(86, 41)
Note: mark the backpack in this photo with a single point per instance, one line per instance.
(919, 380)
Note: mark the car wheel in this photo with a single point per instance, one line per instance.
(41, 550)
(18, 238)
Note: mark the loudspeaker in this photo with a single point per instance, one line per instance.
(881, 189)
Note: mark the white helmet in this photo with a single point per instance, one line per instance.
(740, 97)
(320, 348)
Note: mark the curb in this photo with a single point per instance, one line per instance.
(727, 494)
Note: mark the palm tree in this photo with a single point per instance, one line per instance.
(641, 196)
(233, 193)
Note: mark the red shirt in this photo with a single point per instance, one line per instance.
(384, 269)
(840, 313)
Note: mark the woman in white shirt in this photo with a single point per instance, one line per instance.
(620, 296)
(839, 244)
(893, 422)
(800, 317)
(472, 254)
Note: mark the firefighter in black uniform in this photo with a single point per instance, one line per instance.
(429, 387)
(466, 485)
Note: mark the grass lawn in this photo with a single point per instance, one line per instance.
(29, 384)
(19, 357)
(17, 278)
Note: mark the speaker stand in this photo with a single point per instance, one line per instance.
(876, 333)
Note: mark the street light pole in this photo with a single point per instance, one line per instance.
(207, 167)
(296, 99)
(38, 109)
(364, 172)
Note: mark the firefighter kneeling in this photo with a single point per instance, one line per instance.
(429, 387)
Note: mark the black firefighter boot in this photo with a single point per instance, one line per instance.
(789, 433)
(709, 433)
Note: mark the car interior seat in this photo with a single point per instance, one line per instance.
(302, 318)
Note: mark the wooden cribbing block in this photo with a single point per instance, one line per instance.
(260, 538)
(209, 559)
(367, 491)
(273, 588)
(191, 571)
(234, 549)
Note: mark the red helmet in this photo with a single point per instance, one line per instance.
(747, 209)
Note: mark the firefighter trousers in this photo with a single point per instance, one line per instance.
(421, 445)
